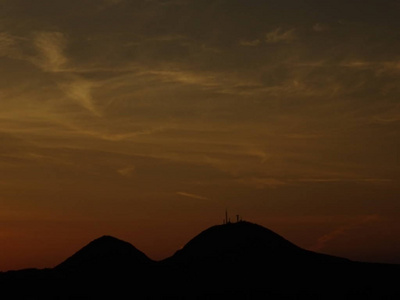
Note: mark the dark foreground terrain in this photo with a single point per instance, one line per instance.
(232, 261)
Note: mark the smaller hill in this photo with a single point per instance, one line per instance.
(105, 254)
(106, 268)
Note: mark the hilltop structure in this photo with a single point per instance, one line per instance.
(227, 220)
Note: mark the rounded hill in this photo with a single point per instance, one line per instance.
(106, 253)
(244, 244)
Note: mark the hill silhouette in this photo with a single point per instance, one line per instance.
(234, 260)
(105, 254)
(245, 242)
(248, 259)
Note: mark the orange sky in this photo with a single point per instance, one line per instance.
(146, 119)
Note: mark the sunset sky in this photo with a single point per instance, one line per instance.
(146, 119)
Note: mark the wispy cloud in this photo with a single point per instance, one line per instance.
(167, 38)
(113, 2)
(11, 46)
(213, 81)
(51, 47)
(110, 135)
(345, 179)
(250, 43)
(280, 35)
(261, 183)
(80, 90)
(319, 27)
(378, 66)
(343, 230)
(127, 171)
(6, 43)
(51, 58)
(186, 77)
(391, 116)
(193, 196)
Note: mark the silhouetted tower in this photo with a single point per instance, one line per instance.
(227, 219)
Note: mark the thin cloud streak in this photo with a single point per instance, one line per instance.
(345, 179)
(324, 240)
(127, 171)
(250, 43)
(280, 35)
(193, 196)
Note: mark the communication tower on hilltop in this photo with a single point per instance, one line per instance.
(227, 220)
